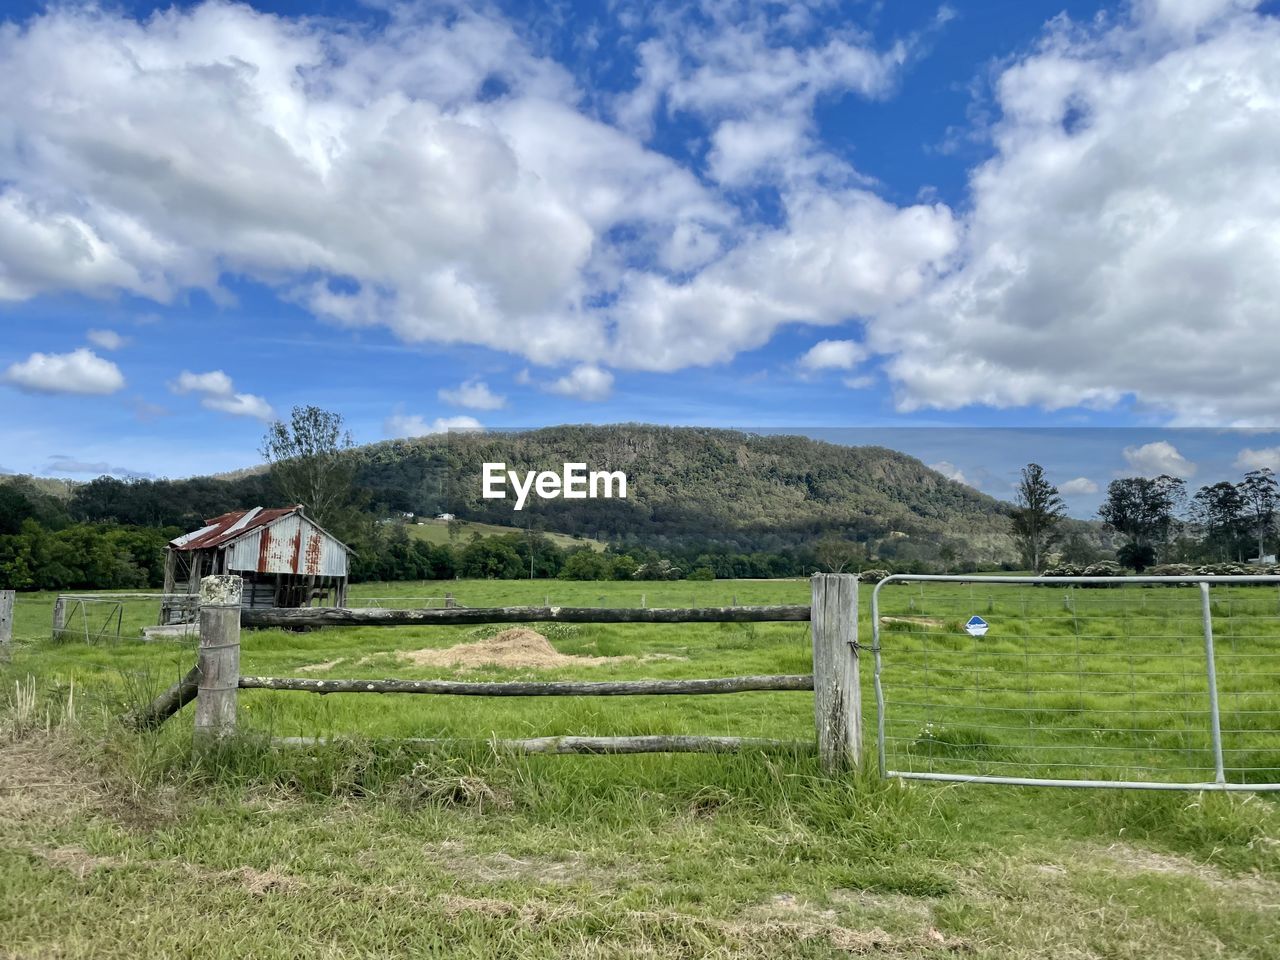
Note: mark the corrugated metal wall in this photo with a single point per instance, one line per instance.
(290, 545)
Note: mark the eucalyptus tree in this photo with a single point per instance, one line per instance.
(1038, 512)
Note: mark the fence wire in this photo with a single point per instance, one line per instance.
(1081, 683)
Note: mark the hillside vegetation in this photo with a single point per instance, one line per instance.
(700, 503)
(687, 485)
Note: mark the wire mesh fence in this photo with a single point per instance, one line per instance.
(1153, 682)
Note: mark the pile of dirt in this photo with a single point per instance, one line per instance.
(517, 648)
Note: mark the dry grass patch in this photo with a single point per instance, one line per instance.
(517, 648)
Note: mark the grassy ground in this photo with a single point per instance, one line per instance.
(114, 843)
(437, 532)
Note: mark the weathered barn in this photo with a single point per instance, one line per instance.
(285, 558)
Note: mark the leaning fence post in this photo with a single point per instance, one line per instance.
(837, 696)
(59, 617)
(218, 658)
(6, 625)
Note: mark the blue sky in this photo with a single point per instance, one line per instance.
(830, 215)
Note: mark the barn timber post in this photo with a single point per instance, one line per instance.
(837, 696)
(218, 659)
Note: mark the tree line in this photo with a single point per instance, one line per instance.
(1157, 519)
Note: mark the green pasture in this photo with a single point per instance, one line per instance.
(114, 842)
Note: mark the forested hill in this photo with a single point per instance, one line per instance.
(755, 492)
(688, 487)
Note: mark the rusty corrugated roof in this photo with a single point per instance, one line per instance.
(230, 526)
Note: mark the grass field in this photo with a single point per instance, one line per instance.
(437, 532)
(114, 843)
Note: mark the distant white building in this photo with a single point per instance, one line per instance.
(445, 516)
(1268, 558)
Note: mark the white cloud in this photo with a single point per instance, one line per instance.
(413, 425)
(150, 156)
(106, 339)
(584, 382)
(1251, 459)
(1120, 243)
(1080, 486)
(1124, 236)
(833, 355)
(217, 392)
(81, 371)
(474, 394)
(753, 77)
(1160, 457)
(214, 382)
(949, 470)
(1184, 18)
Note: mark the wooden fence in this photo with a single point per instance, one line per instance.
(215, 681)
(6, 625)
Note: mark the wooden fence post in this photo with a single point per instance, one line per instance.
(449, 602)
(59, 617)
(218, 659)
(837, 696)
(6, 625)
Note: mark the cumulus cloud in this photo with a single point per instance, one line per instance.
(1080, 486)
(753, 77)
(1265, 457)
(149, 156)
(414, 425)
(1119, 244)
(1123, 237)
(1160, 457)
(81, 371)
(584, 382)
(474, 394)
(1184, 18)
(833, 355)
(106, 339)
(949, 470)
(217, 392)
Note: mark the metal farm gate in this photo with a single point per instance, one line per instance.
(1163, 683)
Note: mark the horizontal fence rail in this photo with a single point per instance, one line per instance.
(592, 745)
(1066, 683)
(214, 683)
(374, 617)
(551, 688)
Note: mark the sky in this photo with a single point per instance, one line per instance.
(983, 231)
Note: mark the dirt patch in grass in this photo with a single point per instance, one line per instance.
(517, 648)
